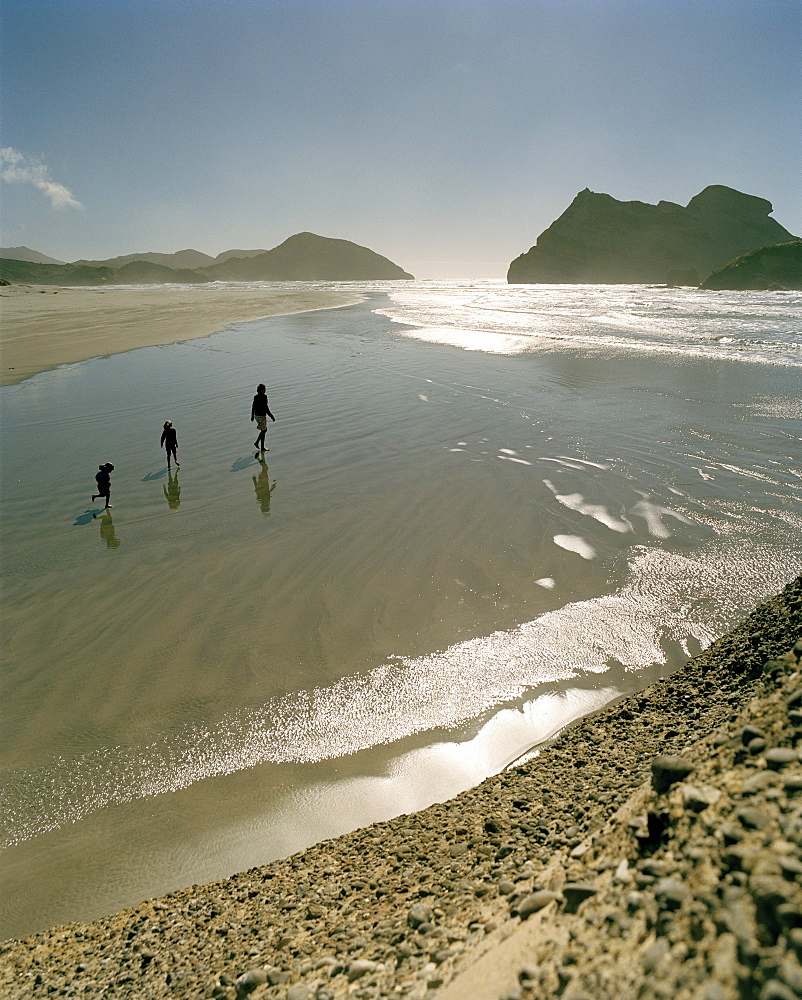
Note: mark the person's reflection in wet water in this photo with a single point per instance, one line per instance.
(172, 490)
(107, 530)
(263, 487)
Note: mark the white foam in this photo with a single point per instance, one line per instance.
(600, 513)
(573, 543)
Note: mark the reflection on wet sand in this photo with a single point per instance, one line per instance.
(107, 530)
(172, 490)
(263, 487)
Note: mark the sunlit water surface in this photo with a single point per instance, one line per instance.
(486, 511)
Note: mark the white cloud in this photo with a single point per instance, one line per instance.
(16, 167)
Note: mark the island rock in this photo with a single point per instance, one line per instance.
(600, 240)
(777, 267)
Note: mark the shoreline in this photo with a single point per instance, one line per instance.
(41, 332)
(479, 897)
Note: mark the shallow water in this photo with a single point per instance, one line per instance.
(447, 555)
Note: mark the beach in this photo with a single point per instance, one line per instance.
(652, 849)
(44, 326)
(485, 514)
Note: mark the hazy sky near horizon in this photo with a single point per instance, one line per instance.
(444, 134)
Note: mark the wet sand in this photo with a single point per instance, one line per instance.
(290, 687)
(571, 874)
(45, 326)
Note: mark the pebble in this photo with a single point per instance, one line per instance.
(576, 893)
(753, 818)
(361, 967)
(299, 992)
(781, 757)
(671, 893)
(248, 981)
(533, 902)
(419, 914)
(667, 770)
(697, 798)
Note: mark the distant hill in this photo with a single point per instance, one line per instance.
(143, 272)
(307, 257)
(601, 240)
(30, 273)
(227, 254)
(192, 259)
(304, 257)
(777, 267)
(25, 253)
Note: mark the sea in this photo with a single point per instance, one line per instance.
(487, 510)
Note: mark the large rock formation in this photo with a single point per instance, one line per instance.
(778, 267)
(307, 257)
(601, 240)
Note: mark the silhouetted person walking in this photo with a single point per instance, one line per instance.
(103, 480)
(260, 411)
(170, 441)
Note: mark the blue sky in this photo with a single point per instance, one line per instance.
(444, 134)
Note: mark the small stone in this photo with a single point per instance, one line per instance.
(759, 782)
(756, 746)
(795, 939)
(457, 850)
(360, 967)
(419, 913)
(654, 955)
(775, 990)
(576, 893)
(299, 992)
(697, 798)
(533, 902)
(753, 818)
(795, 699)
(622, 872)
(749, 733)
(793, 784)
(248, 981)
(670, 893)
(789, 914)
(781, 757)
(790, 866)
(653, 867)
(667, 770)
(795, 717)
(505, 887)
(731, 834)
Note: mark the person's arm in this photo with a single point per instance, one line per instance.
(267, 407)
(252, 406)
(161, 442)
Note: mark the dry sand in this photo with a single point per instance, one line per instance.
(45, 326)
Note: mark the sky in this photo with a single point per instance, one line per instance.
(443, 134)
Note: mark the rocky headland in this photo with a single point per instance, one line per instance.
(600, 240)
(303, 257)
(652, 850)
(776, 268)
